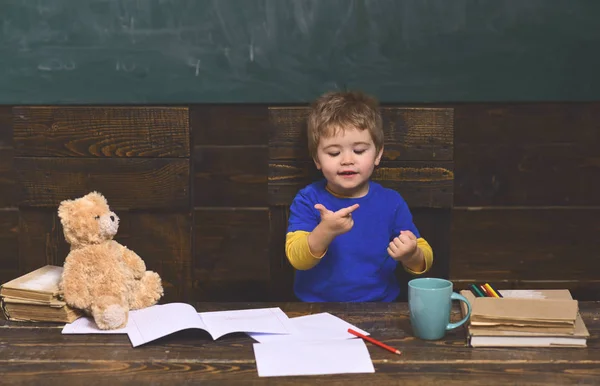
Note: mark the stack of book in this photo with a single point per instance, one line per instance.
(34, 298)
(525, 318)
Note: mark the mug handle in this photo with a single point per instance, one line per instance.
(456, 296)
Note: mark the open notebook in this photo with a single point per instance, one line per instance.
(154, 322)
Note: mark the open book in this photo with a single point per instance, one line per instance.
(154, 322)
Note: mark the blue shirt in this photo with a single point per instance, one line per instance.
(356, 266)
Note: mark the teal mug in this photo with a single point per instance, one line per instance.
(429, 303)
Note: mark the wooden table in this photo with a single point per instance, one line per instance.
(39, 354)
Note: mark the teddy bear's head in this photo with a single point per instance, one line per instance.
(87, 220)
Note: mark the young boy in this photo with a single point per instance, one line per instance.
(346, 233)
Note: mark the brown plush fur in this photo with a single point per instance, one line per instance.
(101, 276)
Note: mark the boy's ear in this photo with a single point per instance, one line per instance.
(317, 163)
(378, 158)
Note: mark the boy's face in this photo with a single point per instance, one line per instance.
(347, 161)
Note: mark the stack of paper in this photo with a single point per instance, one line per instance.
(321, 344)
(34, 297)
(526, 318)
(306, 345)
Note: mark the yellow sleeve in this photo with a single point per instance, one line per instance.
(427, 255)
(298, 251)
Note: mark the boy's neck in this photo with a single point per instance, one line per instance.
(339, 195)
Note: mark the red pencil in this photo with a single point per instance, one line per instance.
(376, 342)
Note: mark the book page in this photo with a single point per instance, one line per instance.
(271, 320)
(322, 326)
(157, 321)
(312, 358)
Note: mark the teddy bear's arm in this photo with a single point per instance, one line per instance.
(73, 287)
(134, 262)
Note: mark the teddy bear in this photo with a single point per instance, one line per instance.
(100, 276)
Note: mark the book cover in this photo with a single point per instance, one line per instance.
(38, 285)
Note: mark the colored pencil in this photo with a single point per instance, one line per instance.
(485, 291)
(375, 342)
(476, 291)
(496, 291)
(491, 290)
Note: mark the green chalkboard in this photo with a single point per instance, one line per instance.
(289, 51)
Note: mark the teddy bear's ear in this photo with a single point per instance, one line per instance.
(96, 197)
(64, 208)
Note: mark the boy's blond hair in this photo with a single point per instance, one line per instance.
(342, 110)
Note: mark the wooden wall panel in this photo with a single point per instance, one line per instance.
(64, 131)
(8, 186)
(229, 125)
(233, 176)
(231, 254)
(126, 183)
(9, 244)
(527, 154)
(512, 246)
(162, 240)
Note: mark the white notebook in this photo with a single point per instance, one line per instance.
(154, 322)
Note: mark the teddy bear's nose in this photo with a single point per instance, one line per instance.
(112, 218)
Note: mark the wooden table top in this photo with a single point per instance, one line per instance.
(37, 353)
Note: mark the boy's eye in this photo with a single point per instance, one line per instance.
(359, 151)
(334, 154)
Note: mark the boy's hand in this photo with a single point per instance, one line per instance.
(338, 222)
(403, 247)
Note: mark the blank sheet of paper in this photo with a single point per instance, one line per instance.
(266, 320)
(312, 358)
(86, 325)
(322, 326)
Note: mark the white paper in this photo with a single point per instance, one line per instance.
(154, 322)
(86, 325)
(322, 326)
(157, 321)
(312, 358)
(259, 320)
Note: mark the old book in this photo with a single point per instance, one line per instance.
(40, 285)
(526, 318)
(31, 312)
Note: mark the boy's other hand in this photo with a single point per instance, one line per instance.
(403, 247)
(337, 222)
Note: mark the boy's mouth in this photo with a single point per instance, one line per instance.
(347, 173)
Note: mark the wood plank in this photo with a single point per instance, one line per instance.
(103, 131)
(552, 247)
(518, 174)
(9, 243)
(162, 240)
(8, 188)
(527, 154)
(140, 183)
(229, 125)
(421, 183)
(8, 185)
(531, 123)
(169, 373)
(6, 130)
(230, 176)
(411, 133)
(231, 254)
(282, 272)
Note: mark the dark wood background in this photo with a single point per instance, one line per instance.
(505, 193)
